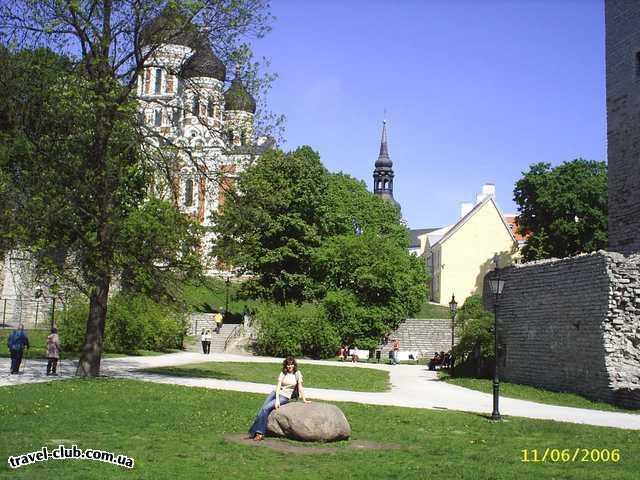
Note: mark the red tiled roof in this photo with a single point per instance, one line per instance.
(511, 219)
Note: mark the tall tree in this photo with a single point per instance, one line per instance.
(563, 210)
(272, 222)
(112, 42)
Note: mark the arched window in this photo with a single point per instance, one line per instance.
(195, 107)
(158, 86)
(230, 137)
(210, 108)
(176, 117)
(243, 138)
(188, 193)
(157, 117)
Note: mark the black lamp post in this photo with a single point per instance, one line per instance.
(227, 281)
(497, 285)
(453, 307)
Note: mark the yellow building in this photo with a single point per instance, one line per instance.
(460, 255)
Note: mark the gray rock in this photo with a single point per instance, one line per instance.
(309, 422)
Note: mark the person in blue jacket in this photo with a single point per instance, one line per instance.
(17, 342)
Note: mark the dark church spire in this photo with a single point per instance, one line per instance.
(383, 172)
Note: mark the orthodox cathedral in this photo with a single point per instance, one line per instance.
(186, 101)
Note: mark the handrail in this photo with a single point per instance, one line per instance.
(234, 333)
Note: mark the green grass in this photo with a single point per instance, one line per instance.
(212, 294)
(316, 376)
(38, 346)
(178, 432)
(534, 394)
(429, 310)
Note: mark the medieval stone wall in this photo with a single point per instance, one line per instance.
(573, 325)
(623, 128)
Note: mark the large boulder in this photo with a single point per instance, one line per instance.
(309, 422)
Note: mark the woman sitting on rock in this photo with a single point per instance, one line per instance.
(289, 383)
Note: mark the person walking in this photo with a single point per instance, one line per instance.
(203, 341)
(289, 380)
(53, 352)
(395, 351)
(17, 342)
(218, 318)
(207, 342)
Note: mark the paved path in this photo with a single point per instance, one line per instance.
(412, 386)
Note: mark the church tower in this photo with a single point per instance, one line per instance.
(383, 172)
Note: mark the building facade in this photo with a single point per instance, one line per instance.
(459, 256)
(622, 19)
(190, 110)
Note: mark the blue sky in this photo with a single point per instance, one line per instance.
(475, 91)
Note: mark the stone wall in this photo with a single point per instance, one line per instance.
(425, 336)
(622, 19)
(573, 325)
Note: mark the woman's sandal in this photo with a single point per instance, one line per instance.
(258, 437)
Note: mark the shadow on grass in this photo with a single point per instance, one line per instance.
(190, 373)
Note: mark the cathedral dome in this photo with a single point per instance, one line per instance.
(237, 98)
(204, 63)
(171, 27)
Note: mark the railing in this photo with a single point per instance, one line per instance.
(30, 313)
(234, 333)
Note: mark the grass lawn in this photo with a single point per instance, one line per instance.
(534, 394)
(316, 376)
(429, 310)
(38, 346)
(212, 295)
(178, 432)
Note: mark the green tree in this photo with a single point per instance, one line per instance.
(48, 120)
(350, 207)
(474, 326)
(563, 210)
(309, 235)
(272, 223)
(96, 143)
(372, 284)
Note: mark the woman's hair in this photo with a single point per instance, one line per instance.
(54, 330)
(289, 361)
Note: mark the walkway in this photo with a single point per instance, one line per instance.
(412, 386)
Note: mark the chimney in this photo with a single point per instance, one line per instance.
(488, 190)
(465, 207)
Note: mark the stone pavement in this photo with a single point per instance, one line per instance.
(412, 386)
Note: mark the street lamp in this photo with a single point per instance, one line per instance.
(453, 307)
(496, 284)
(227, 281)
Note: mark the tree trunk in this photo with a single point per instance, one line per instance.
(91, 355)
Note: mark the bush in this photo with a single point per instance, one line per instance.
(133, 322)
(319, 337)
(295, 330)
(72, 324)
(475, 330)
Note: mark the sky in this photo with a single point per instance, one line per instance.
(475, 91)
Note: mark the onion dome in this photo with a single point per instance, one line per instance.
(237, 97)
(171, 27)
(204, 63)
(384, 161)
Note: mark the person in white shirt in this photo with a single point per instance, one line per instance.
(289, 383)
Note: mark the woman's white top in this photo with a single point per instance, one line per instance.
(288, 383)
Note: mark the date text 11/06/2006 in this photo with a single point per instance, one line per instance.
(565, 455)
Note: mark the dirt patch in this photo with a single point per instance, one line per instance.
(304, 448)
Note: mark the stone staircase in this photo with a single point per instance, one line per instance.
(204, 321)
(424, 336)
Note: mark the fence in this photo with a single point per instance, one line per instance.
(31, 313)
